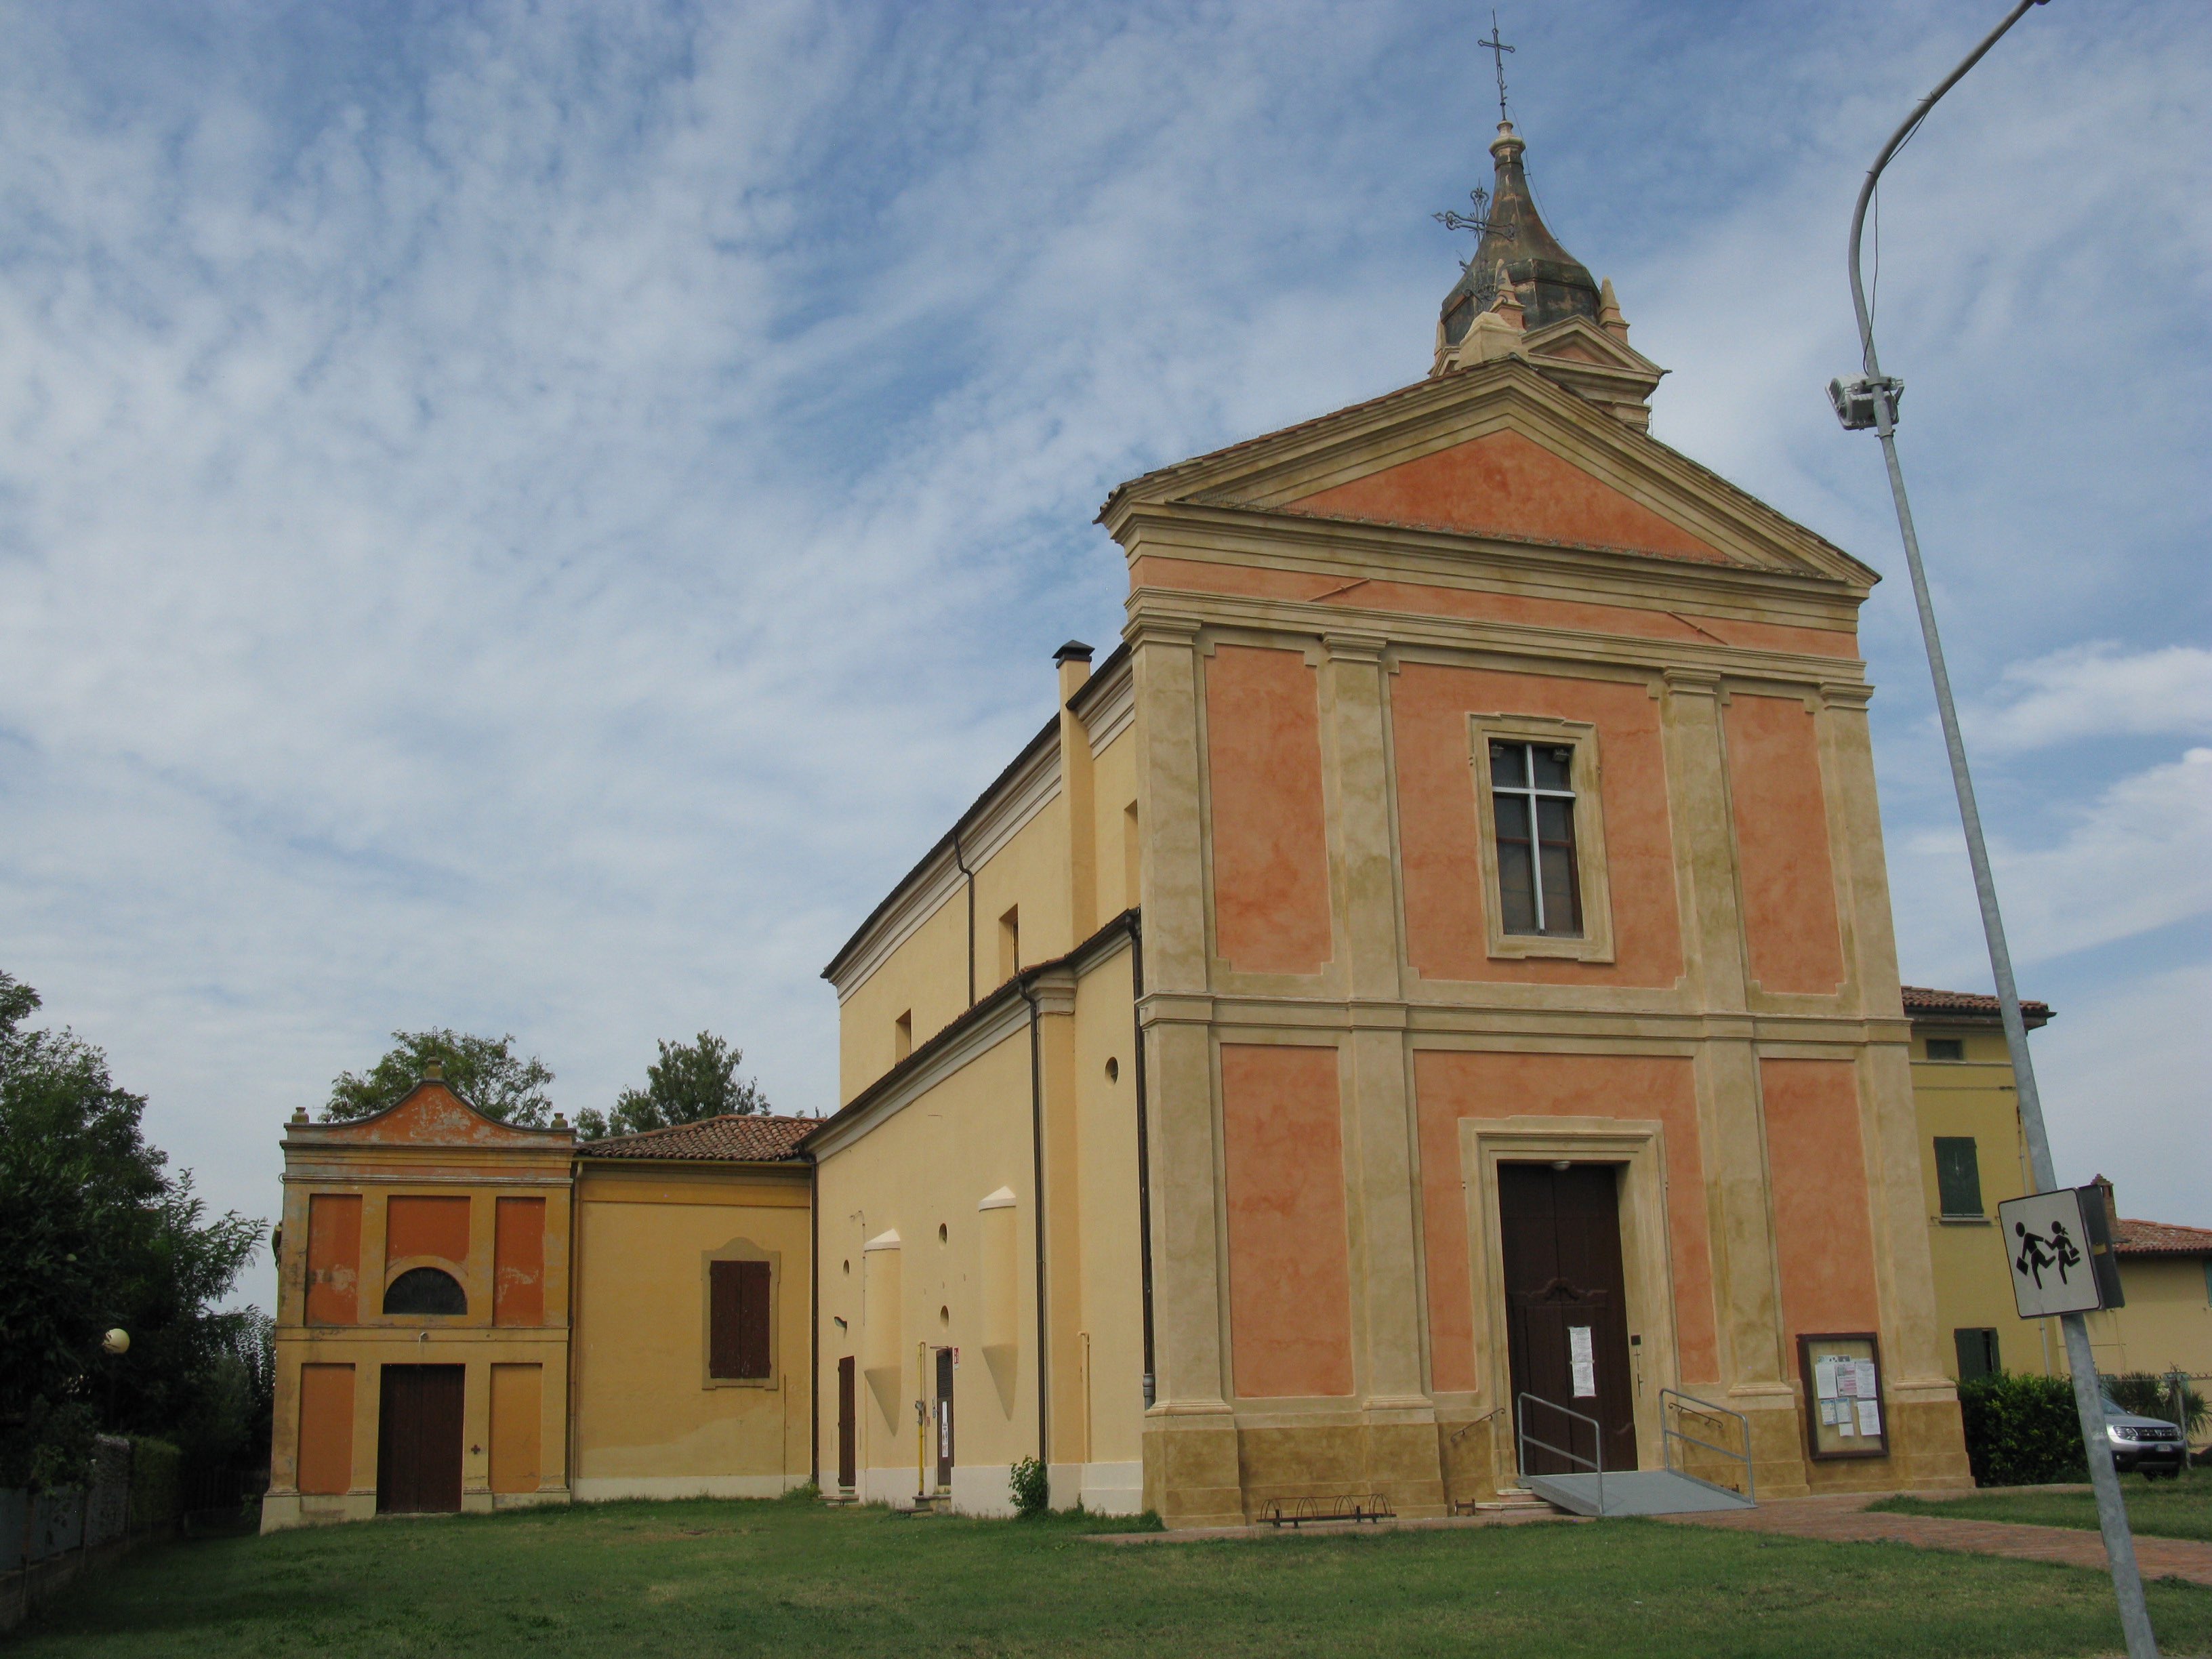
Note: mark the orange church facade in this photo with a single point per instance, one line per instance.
(1451, 968)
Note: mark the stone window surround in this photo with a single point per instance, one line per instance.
(1594, 943)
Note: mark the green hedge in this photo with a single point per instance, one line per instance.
(157, 1491)
(2021, 1430)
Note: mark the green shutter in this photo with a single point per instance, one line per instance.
(1958, 1176)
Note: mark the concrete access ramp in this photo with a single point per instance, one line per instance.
(1634, 1491)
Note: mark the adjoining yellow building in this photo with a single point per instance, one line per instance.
(472, 1316)
(1441, 962)
(1973, 1157)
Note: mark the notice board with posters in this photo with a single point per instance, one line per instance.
(1845, 1413)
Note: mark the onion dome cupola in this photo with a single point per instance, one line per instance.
(1551, 284)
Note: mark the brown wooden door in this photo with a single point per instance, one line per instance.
(848, 1450)
(1566, 1313)
(418, 1440)
(944, 1419)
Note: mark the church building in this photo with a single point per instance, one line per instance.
(1432, 983)
(1421, 1015)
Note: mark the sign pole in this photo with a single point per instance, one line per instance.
(1871, 400)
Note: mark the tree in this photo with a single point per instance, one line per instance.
(96, 1234)
(486, 1073)
(690, 1081)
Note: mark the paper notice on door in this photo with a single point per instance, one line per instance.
(1824, 1382)
(1843, 1423)
(1867, 1388)
(1847, 1379)
(1827, 1413)
(1582, 1361)
(1870, 1418)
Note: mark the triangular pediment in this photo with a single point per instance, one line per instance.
(432, 1115)
(1499, 451)
(1506, 484)
(1585, 342)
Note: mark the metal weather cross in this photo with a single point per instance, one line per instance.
(1498, 49)
(1479, 222)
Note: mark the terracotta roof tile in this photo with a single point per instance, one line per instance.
(735, 1138)
(1973, 1005)
(2160, 1238)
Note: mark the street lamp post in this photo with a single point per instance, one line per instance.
(1870, 400)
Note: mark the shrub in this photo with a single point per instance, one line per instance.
(156, 1481)
(1031, 1486)
(2021, 1430)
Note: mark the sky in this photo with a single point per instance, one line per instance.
(530, 518)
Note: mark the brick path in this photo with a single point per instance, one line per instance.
(1847, 1519)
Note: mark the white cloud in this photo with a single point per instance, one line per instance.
(531, 519)
(2129, 862)
(2095, 690)
(2122, 1072)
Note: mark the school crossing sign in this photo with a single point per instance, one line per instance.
(2061, 1250)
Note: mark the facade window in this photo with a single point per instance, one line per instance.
(1958, 1176)
(1946, 1048)
(738, 1320)
(1978, 1354)
(902, 1036)
(1010, 944)
(425, 1291)
(1532, 798)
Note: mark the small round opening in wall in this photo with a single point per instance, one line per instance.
(945, 1316)
(942, 1234)
(1113, 1071)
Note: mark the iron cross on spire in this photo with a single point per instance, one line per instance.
(1498, 49)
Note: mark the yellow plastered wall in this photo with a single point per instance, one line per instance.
(951, 1174)
(928, 1166)
(649, 1422)
(1975, 1097)
(927, 973)
(2167, 1324)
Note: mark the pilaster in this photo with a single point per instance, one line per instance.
(1731, 1126)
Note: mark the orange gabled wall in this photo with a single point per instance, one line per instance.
(1438, 804)
(1782, 845)
(1816, 1171)
(427, 1226)
(519, 1262)
(1506, 484)
(517, 1413)
(1270, 844)
(1452, 1086)
(325, 1466)
(1290, 1275)
(333, 1258)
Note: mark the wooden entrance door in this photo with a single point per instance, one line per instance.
(1566, 1312)
(418, 1440)
(848, 1450)
(944, 1419)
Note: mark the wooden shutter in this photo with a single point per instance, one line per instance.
(1958, 1176)
(722, 1318)
(738, 1320)
(752, 1319)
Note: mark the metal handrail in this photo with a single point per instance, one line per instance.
(1668, 1434)
(1597, 1440)
(1466, 1429)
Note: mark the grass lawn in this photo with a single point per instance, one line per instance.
(2180, 1508)
(791, 1578)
